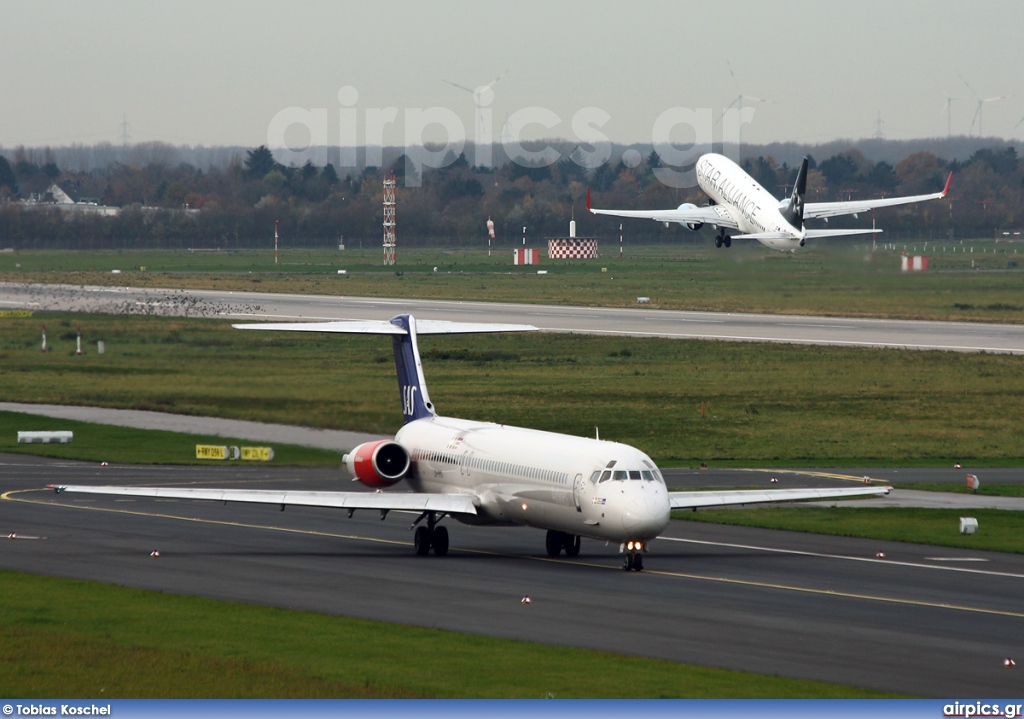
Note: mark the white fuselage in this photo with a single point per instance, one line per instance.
(539, 479)
(751, 207)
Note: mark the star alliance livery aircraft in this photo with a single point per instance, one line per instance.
(738, 202)
(481, 473)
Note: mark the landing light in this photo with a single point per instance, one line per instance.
(524, 506)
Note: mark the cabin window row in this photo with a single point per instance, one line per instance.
(490, 465)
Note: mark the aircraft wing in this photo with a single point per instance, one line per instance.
(692, 500)
(384, 501)
(712, 215)
(383, 327)
(814, 210)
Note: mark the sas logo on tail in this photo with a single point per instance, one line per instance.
(409, 399)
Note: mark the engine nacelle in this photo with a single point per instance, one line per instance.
(378, 464)
(691, 225)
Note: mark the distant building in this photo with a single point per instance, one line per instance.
(68, 199)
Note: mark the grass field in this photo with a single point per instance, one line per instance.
(833, 278)
(998, 530)
(71, 639)
(126, 445)
(767, 404)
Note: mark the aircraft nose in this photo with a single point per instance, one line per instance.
(646, 516)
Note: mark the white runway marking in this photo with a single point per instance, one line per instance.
(872, 560)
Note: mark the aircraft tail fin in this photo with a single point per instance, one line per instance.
(412, 386)
(403, 329)
(794, 211)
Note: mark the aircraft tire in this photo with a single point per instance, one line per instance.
(553, 543)
(440, 541)
(638, 563)
(718, 241)
(421, 540)
(727, 241)
(571, 545)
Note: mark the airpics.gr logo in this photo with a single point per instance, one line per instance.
(981, 709)
(434, 137)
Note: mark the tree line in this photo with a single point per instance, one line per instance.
(235, 204)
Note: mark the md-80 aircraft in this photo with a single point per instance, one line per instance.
(738, 202)
(481, 473)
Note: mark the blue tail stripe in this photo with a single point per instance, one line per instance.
(412, 386)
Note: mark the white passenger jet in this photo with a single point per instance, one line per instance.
(481, 473)
(738, 202)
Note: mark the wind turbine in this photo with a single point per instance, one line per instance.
(981, 103)
(738, 104)
(483, 96)
(948, 109)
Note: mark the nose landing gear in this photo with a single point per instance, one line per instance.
(634, 561)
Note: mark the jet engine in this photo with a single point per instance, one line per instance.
(691, 225)
(378, 464)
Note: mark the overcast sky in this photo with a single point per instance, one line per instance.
(217, 73)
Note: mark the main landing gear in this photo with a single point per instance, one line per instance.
(634, 561)
(556, 542)
(723, 239)
(431, 536)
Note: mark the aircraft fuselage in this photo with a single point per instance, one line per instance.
(751, 207)
(588, 487)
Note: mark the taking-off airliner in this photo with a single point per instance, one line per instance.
(481, 473)
(738, 202)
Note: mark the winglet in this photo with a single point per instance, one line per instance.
(588, 198)
(945, 190)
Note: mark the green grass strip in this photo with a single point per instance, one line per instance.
(71, 639)
(998, 530)
(681, 401)
(126, 445)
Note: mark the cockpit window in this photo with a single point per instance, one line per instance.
(610, 464)
(620, 474)
(606, 475)
(648, 475)
(634, 474)
(594, 476)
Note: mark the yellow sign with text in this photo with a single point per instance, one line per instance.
(211, 451)
(259, 454)
(15, 313)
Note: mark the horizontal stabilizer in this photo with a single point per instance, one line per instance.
(384, 327)
(811, 234)
(767, 236)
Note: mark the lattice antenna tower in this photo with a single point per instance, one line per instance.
(389, 220)
(125, 137)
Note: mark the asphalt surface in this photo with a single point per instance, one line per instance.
(922, 620)
(951, 336)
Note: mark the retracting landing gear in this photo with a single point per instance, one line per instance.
(557, 542)
(432, 536)
(634, 560)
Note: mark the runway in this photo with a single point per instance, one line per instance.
(923, 620)
(795, 329)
